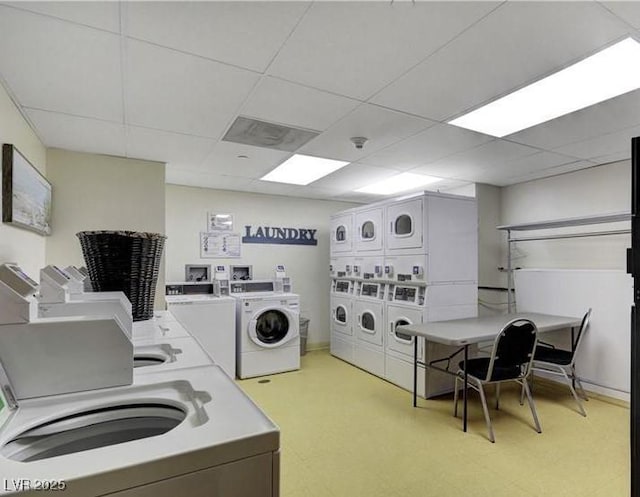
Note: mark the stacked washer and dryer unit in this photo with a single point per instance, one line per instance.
(402, 261)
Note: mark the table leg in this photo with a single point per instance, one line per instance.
(573, 348)
(464, 391)
(415, 371)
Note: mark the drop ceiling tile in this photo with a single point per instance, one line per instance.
(545, 173)
(603, 118)
(627, 11)
(360, 198)
(314, 193)
(101, 15)
(247, 34)
(446, 185)
(428, 146)
(605, 145)
(54, 65)
(287, 103)
(468, 164)
(354, 176)
(258, 162)
(181, 176)
(78, 133)
(269, 187)
(355, 48)
(173, 91)
(615, 157)
(381, 127)
(150, 144)
(516, 44)
(535, 162)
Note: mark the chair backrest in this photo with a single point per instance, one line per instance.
(513, 350)
(581, 332)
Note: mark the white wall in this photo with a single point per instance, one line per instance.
(598, 190)
(308, 266)
(490, 245)
(18, 245)
(99, 192)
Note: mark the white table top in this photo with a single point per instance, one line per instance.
(459, 332)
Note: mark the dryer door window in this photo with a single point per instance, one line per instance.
(403, 225)
(368, 322)
(272, 326)
(341, 315)
(399, 336)
(341, 234)
(368, 230)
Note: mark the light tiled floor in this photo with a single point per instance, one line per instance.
(346, 433)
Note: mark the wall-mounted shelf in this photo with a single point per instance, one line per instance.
(569, 222)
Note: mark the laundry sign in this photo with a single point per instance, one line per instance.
(279, 235)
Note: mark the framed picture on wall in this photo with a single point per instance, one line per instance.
(26, 194)
(219, 222)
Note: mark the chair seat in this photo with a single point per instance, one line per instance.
(479, 366)
(555, 356)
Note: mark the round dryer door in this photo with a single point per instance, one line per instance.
(272, 327)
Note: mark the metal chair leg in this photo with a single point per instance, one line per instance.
(583, 394)
(455, 398)
(497, 396)
(532, 405)
(573, 392)
(483, 398)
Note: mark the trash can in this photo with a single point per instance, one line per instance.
(304, 333)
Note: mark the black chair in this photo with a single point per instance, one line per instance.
(561, 362)
(510, 360)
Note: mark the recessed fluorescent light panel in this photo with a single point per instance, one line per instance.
(606, 74)
(303, 169)
(399, 183)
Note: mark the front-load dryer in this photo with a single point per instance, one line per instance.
(268, 335)
(194, 433)
(341, 303)
(369, 327)
(400, 348)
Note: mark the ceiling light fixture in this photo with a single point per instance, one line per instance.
(399, 183)
(303, 169)
(604, 75)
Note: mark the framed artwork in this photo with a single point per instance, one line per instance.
(26, 194)
(219, 222)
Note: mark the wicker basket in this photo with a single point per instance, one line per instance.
(126, 261)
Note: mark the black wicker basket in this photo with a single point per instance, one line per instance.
(125, 261)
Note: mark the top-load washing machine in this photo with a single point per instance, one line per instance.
(194, 433)
(210, 319)
(268, 329)
(66, 426)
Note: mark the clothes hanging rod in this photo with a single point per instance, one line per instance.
(568, 222)
(570, 235)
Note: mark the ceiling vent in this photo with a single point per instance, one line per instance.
(267, 135)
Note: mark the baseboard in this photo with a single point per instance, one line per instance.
(317, 346)
(562, 386)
